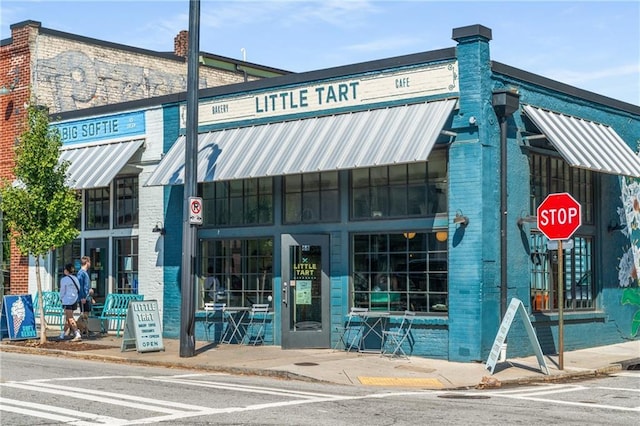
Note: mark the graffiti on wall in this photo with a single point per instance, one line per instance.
(78, 81)
(629, 266)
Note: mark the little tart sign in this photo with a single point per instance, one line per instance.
(559, 216)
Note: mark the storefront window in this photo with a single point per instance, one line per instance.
(551, 175)
(126, 257)
(126, 202)
(97, 208)
(404, 190)
(238, 202)
(396, 272)
(311, 197)
(69, 253)
(577, 275)
(236, 272)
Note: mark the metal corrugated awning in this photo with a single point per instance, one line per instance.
(401, 134)
(96, 166)
(586, 144)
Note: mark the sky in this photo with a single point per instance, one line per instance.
(589, 44)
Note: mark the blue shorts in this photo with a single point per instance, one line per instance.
(70, 307)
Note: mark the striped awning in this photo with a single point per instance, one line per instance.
(586, 144)
(401, 134)
(95, 166)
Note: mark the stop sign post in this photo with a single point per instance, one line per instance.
(559, 216)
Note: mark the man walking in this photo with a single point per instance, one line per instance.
(86, 292)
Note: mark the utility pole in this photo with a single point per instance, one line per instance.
(189, 231)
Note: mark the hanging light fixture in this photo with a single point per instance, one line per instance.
(442, 236)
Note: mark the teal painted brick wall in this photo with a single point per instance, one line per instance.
(173, 202)
(474, 190)
(611, 322)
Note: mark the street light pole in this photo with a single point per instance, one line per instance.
(189, 231)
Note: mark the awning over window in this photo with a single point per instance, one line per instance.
(586, 144)
(96, 166)
(400, 134)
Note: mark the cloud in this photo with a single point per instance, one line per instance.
(380, 45)
(580, 77)
(285, 14)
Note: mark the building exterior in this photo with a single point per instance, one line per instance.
(67, 72)
(407, 183)
(382, 185)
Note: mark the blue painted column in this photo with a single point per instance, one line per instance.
(474, 190)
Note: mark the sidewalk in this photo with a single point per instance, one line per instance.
(356, 369)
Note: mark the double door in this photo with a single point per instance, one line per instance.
(305, 292)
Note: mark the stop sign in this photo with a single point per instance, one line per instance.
(559, 216)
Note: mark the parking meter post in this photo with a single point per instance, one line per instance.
(560, 306)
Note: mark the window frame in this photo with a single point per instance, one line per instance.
(253, 197)
(312, 195)
(120, 270)
(243, 267)
(132, 200)
(397, 271)
(395, 191)
(551, 174)
(99, 199)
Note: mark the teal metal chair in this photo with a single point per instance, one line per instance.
(394, 339)
(255, 327)
(350, 333)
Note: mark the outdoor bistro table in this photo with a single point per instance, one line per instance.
(235, 316)
(373, 324)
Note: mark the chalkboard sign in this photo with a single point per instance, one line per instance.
(18, 320)
(142, 328)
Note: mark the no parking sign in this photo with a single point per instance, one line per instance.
(195, 210)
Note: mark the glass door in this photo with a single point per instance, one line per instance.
(305, 292)
(98, 250)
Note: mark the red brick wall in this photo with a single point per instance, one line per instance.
(15, 73)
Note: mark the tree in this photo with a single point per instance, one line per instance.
(40, 211)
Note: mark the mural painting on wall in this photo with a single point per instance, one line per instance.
(78, 81)
(629, 266)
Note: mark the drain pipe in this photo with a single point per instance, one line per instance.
(505, 103)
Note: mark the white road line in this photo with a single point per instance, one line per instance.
(627, 374)
(618, 389)
(245, 388)
(572, 403)
(93, 395)
(118, 395)
(184, 376)
(14, 405)
(229, 410)
(48, 416)
(553, 391)
(528, 390)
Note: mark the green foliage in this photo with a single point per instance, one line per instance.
(631, 296)
(40, 211)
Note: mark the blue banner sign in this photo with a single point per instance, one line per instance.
(101, 128)
(18, 320)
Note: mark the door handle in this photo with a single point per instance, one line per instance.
(285, 293)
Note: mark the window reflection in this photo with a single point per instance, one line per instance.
(392, 272)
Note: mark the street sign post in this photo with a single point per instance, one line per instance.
(559, 217)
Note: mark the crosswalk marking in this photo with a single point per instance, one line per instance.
(244, 388)
(534, 394)
(51, 412)
(169, 411)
